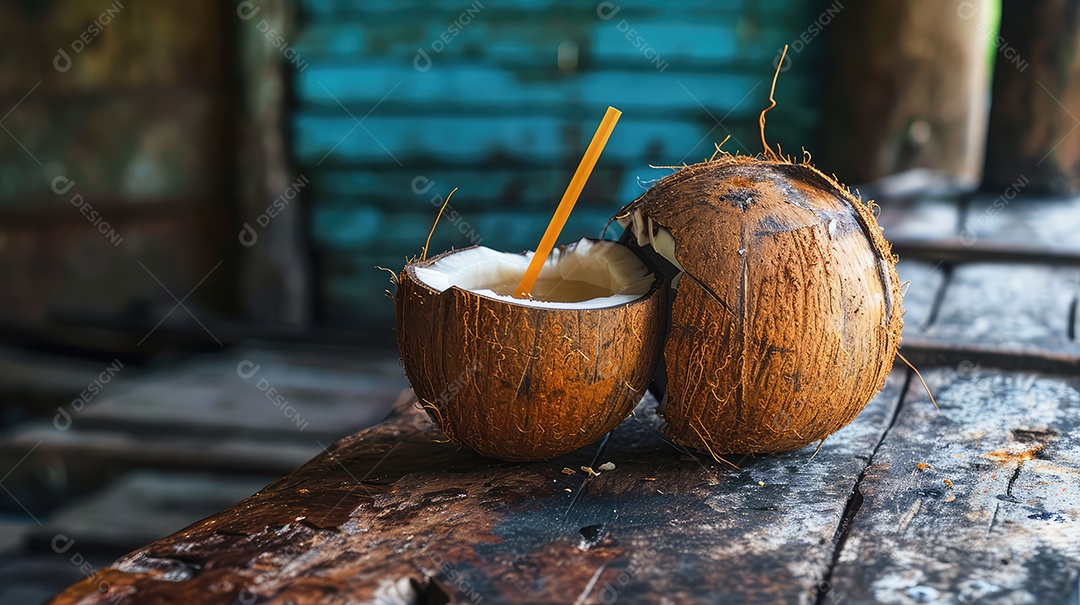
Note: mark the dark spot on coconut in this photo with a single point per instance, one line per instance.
(796, 381)
(770, 351)
(741, 198)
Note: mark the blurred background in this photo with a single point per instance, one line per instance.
(197, 198)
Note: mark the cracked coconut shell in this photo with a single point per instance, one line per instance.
(787, 313)
(519, 382)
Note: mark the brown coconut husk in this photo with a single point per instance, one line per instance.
(524, 383)
(787, 317)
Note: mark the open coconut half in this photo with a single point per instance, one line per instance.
(529, 379)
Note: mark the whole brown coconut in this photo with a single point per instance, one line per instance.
(529, 380)
(787, 313)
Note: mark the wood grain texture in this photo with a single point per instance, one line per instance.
(1005, 226)
(919, 217)
(975, 503)
(921, 283)
(1010, 218)
(394, 513)
(1019, 305)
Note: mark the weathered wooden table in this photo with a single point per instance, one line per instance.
(975, 502)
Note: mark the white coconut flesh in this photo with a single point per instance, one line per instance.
(649, 234)
(584, 275)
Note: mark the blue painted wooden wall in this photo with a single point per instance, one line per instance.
(399, 101)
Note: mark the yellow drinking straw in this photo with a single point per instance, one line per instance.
(577, 183)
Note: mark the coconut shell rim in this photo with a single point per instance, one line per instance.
(409, 270)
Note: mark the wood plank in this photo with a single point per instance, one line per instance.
(476, 88)
(112, 44)
(255, 409)
(919, 218)
(136, 148)
(954, 251)
(35, 383)
(302, 393)
(143, 506)
(480, 187)
(1020, 305)
(93, 266)
(1014, 219)
(992, 517)
(92, 456)
(1012, 226)
(403, 233)
(274, 271)
(427, 140)
(392, 511)
(503, 36)
(337, 9)
(924, 282)
(928, 351)
(1035, 98)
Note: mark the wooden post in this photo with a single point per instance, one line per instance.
(274, 268)
(1036, 98)
(906, 89)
